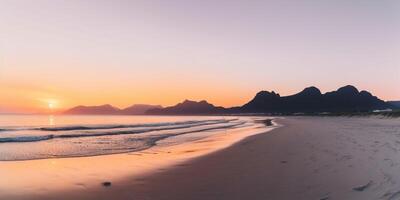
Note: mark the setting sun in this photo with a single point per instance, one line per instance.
(51, 105)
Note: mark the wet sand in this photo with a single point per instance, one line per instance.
(306, 158)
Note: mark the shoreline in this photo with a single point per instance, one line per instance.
(83, 175)
(306, 158)
(303, 158)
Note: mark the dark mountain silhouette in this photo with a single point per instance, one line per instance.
(310, 100)
(188, 108)
(138, 109)
(105, 109)
(345, 99)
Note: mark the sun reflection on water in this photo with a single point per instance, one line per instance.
(51, 120)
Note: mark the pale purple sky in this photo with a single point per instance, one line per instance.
(56, 48)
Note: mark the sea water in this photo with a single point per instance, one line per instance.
(25, 137)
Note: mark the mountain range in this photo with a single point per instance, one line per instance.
(345, 99)
(107, 109)
(188, 107)
(310, 100)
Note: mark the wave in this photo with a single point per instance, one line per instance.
(129, 144)
(26, 138)
(75, 128)
(114, 126)
(164, 126)
(154, 140)
(14, 129)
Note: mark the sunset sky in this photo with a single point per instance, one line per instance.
(64, 53)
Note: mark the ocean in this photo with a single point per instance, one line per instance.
(27, 137)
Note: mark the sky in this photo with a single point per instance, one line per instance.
(60, 54)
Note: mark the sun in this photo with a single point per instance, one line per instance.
(50, 105)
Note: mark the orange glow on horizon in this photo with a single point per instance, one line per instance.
(38, 100)
(42, 100)
(54, 93)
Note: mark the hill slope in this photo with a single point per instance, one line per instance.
(105, 109)
(138, 109)
(188, 107)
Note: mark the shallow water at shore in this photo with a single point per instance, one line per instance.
(26, 137)
(44, 178)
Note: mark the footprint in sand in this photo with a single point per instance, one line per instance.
(390, 161)
(363, 187)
